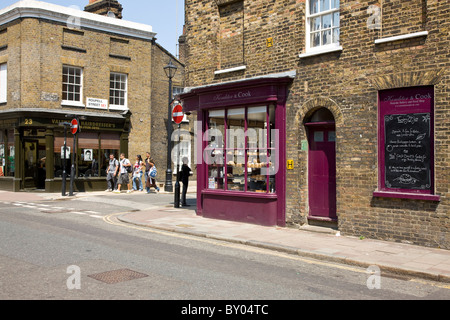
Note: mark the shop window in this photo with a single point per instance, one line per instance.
(72, 85)
(214, 151)
(7, 153)
(323, 24)
(249, 164)
(3, 82)
(406, 140)
(93, 150)
(88, 155)
(109, 144)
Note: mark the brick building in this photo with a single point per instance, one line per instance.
(358, 94)
(58, 63)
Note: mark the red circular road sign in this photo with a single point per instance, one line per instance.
(177, 114)
(74, 127)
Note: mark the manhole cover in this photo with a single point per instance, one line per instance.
(116, 276)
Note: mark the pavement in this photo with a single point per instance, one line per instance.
(311, 242)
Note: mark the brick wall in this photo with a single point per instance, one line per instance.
(347, 83)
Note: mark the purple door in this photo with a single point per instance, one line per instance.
(322, 171)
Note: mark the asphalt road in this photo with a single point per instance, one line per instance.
(70, 250)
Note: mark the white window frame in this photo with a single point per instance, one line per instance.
(321, 48)
(3, 82)
(76, 103)
(113, 106)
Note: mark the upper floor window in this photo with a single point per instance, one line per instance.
(3, 82)
(322, 26)
(118, 91)
(72, 85)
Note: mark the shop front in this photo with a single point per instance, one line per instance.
(240, 149)
(32, 155)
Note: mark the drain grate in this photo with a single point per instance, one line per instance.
(116, 276)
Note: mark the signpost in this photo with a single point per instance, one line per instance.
(177, 116)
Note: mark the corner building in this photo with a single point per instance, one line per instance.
(358, 96)
(58, 63)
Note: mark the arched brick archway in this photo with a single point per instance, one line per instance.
(320, 118)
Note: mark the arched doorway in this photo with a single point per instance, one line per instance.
(321, 130)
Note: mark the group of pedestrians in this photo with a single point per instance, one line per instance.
(119, 171)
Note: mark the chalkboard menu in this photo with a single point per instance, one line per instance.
(408, 151)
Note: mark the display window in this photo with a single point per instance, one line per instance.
(241, 149)
(7, 153)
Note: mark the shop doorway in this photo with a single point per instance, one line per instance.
(34, 164)
(322, 166)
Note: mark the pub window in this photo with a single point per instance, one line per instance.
(118, 86)
(3, 82)
(241, 151)
(72, 85)
(322, 24)
(406, 144)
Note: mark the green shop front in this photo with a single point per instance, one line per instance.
(32, 153)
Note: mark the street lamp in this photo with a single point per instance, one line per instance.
(170, 71)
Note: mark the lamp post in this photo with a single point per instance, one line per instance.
(170, 71)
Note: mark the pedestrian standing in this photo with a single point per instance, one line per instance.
(138, 171)
(185, 174)
(124, 178)
(111, 173)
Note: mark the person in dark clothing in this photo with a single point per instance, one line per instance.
(185, 174)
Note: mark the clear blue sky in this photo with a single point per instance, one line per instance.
(165, 16)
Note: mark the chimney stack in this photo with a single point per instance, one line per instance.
(110, 8)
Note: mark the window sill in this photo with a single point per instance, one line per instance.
(73, 104)
(402, 195)
(118, 108)
(321, 51)
(243, 194)
(240, 68)
(402, 37)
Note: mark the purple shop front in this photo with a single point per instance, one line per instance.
(240, 149)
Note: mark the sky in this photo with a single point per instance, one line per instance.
(165, 16)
